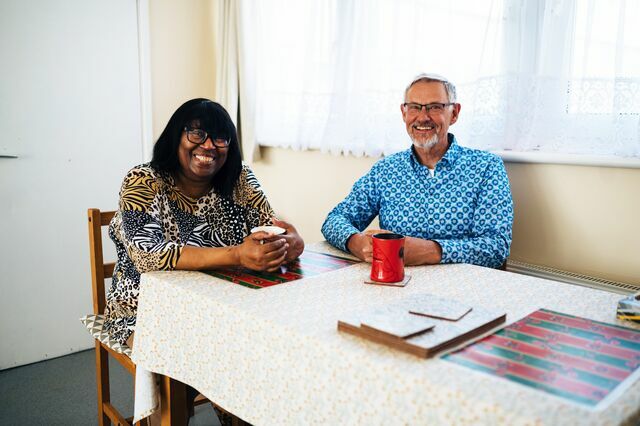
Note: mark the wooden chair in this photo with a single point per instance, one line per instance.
(172, 392)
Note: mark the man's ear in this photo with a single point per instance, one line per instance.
(402, 112)
(454, 113)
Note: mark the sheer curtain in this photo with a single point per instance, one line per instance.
(231, 73)
(569, 81)
(557, 76)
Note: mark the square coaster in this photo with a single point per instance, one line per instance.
(402, 283)
(436, 307)
(397, 324)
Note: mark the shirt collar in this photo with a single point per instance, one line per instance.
(453, 153)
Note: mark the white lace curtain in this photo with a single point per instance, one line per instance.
(558, 76)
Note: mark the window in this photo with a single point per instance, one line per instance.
(556, 77)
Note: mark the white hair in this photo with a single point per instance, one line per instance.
(448, 86)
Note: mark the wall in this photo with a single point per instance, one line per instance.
(70, 111)
(181, 55)
(579, 219)
(302, 186)
(575, 218)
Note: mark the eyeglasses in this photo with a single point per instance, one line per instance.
(413, 108)
(199, 137)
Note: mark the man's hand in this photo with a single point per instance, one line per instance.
(421, 252)
(296, 244)
(262, 251)
(361, 245)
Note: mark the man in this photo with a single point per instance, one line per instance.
(453, 204)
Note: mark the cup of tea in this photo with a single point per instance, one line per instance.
(388, 258)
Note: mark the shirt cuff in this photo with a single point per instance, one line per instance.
(346, 241)
(448, 251)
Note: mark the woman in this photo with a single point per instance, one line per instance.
(192, 207)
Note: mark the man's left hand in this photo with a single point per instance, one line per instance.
(421, 252)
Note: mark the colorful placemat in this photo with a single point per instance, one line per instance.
(575, 358)
(309, 264)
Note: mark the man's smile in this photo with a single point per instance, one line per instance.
(423, 128)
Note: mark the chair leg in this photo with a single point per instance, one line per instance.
(102, 382)
(173, 402)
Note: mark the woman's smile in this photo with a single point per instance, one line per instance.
(205, 159)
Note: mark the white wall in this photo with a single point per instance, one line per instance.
(70, 110)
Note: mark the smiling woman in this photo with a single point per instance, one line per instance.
(192, 207)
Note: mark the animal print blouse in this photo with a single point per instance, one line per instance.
(155, 220)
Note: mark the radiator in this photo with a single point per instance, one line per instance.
(570, 277)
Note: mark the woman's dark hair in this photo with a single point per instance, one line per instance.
(212, 118)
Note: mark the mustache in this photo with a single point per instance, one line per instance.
(423, 122)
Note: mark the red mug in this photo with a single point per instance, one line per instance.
(388, 258)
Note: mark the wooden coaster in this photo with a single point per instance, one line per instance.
(402, 283)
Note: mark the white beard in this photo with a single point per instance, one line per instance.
(428, 144)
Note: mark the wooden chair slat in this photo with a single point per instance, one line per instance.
(114, 415)
(108, 269)
(105, 217)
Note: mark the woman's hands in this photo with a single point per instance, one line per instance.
(262, 251)
(296, 244)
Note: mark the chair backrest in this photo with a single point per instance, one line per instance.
(99, 270)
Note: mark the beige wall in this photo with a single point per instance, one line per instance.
(303, 186)
(181, 38)
(579, 219)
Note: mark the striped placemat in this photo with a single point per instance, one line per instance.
(571, 357)
(309, 264)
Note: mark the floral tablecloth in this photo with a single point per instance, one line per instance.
(274, 355)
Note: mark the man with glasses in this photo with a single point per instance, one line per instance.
(453, 204)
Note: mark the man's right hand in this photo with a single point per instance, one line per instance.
(361, 245)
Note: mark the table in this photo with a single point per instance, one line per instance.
(274, 356)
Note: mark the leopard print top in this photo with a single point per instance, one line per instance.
(155, 220)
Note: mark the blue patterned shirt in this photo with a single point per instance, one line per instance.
(465, 207)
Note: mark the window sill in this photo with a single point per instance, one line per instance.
(571, 159)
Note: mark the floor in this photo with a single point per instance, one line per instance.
(62, 391)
